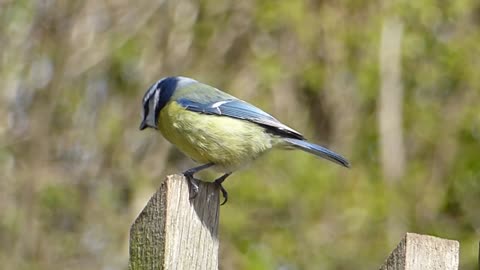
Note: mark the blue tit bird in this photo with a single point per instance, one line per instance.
(216, 129)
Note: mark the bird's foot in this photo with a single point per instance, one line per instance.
(193, 185)
(223, 190)
(219, 182)
(192, 181)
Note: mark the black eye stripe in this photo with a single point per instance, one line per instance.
(146, 109)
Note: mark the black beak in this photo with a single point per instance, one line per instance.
(143, 125)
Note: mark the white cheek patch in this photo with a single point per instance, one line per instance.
(150, 118)
(156, 97)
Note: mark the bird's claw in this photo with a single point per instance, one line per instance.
(223, 190)
(192, 185)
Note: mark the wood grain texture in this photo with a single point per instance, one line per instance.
(423, 252)
(174, 232)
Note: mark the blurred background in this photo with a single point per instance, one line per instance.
(394, 87)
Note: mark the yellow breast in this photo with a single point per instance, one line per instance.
(225, 141)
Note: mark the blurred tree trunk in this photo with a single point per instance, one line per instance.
(390, 120)
(390, 111)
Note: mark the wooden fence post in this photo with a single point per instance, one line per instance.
(423, 252)
(174, 232)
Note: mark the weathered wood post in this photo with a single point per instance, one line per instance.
(174, 232)
(423, 252)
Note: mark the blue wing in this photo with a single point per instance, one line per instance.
(239, 109)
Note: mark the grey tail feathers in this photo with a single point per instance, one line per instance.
(318, 151)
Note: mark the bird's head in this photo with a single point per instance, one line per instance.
(157, 96)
